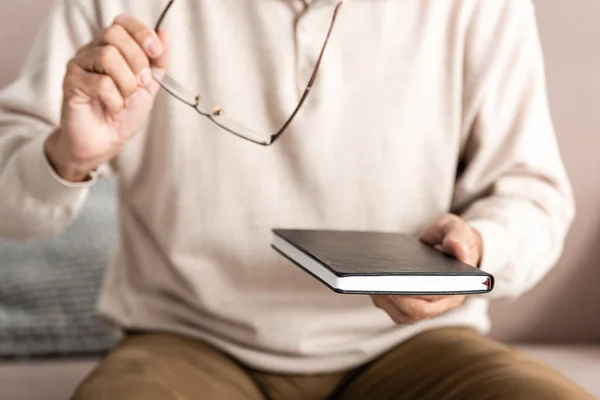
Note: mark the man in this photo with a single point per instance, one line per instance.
(427, 117)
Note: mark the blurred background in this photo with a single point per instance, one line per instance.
(565, 307)
(558, 321)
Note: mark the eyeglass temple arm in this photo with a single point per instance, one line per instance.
(163, 15)
(312, 78)
(318, 64)
(314, 74)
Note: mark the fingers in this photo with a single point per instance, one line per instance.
(123, 53)
(416, 309)
(108, 61)
(408, 310)
(143, 35)
(162, 61)
(141, 47)
(160, 64)
(80, 85)
(384, 303)
(132, 51)
(107, 91)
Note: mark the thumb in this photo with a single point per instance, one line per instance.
(456, 240)
(162, 62)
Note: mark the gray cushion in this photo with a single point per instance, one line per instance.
(48, 288)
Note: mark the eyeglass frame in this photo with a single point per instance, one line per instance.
(217, 112)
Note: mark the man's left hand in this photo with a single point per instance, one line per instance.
(452, 235)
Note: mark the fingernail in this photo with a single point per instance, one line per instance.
(130, 100)
(153, 47)
(145, 77)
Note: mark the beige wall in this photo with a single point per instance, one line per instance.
(19, 22)
(566, 306)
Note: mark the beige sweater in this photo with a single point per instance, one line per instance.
(421, 107)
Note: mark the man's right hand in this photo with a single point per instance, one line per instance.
(108, 94)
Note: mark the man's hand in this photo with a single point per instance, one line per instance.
(108, 92)
(451, 235)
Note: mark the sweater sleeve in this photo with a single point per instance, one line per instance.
(34, 201)
(512, 186)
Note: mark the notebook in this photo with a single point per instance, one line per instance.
(378, 263)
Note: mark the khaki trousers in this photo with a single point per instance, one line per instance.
(448, 363)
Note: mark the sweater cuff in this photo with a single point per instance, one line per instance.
(498, 246)
(41, 181)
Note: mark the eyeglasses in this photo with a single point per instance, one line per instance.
(217, 116)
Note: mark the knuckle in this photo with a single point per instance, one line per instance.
(68, 85)
(375, 300)
(105, 84)
(108, 55)
(111, 34)
(130, 87)
(460, 226)
(443, 219)
(82, 48)
(419, 314)
(118, 107)
(69, 80)
(417, 317)
(72, 67)
(140, 61)
(385, 308)
(453, 218)
(114, 103)
(121, 18)
(403, 319)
